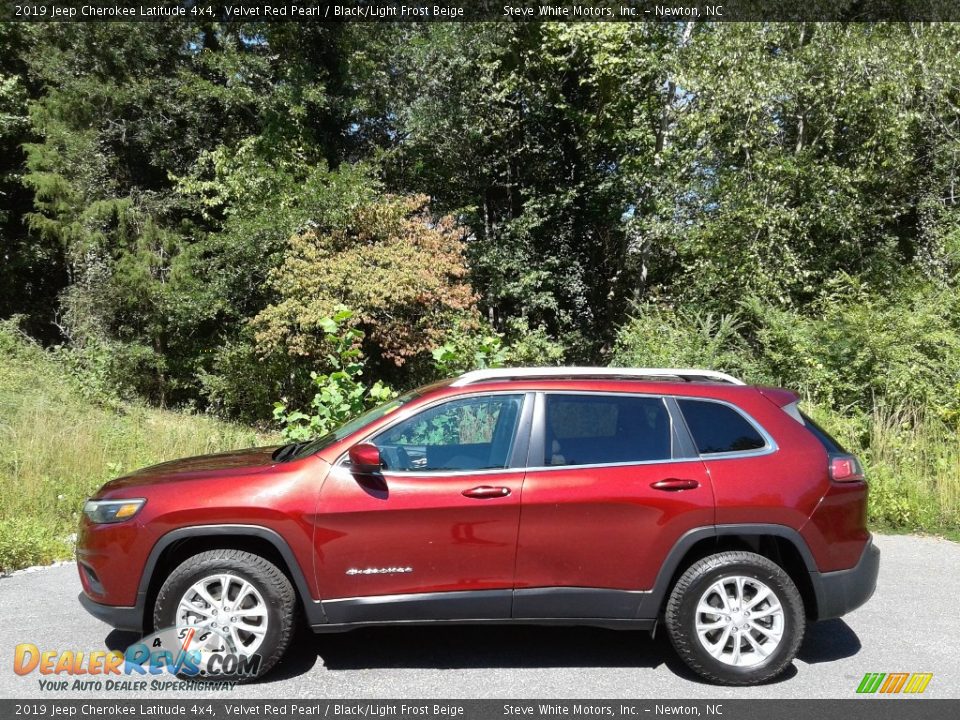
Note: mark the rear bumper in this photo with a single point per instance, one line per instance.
(842, 591)
(120, 617)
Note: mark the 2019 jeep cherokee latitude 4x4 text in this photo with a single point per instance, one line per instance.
(613, 497)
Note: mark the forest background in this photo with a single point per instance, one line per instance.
(216, 235)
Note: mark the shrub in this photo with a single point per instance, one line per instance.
(863, 347)
(401, 270)
(912, 463)
(659, 336)
(470, 348)
(340, 394)
(57, 447)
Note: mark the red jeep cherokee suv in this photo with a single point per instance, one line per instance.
(621, 498)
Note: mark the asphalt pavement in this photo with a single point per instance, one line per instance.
(911, 625)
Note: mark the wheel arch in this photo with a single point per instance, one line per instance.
(180, 544)
(778, 543)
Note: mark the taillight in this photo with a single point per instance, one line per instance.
(845, 468)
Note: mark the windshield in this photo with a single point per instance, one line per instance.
(309, 447)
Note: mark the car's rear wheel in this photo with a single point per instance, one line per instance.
(736, 618)
(237, 609)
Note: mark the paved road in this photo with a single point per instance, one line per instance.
(912, 625)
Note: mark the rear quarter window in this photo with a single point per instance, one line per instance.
(718, 428)
(827, 440)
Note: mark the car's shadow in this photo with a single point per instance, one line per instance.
(476, 646)
(828, 641)
(447, 647)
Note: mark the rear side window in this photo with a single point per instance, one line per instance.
(605, 429)
(718, 428)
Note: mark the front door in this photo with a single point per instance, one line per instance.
(436, 536)
(611, 487)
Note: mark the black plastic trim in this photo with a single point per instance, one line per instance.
(120, 617)
(608, 623)
(683, 447)
(653, 601)
(841, 591)
(92, 578)
(576, 602)
(521, 437)
(312, 608)
(536, 450)
(420, 607)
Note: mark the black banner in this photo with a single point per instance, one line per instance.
(478, 10)
(875, 708)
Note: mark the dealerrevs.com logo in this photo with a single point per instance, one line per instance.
(179, 658)
(894, 683)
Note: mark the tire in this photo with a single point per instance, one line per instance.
(268, 606)
(760, 641)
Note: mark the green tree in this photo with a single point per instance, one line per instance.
(805, 150)
(400, 269)
(31, 268)
(541, 137)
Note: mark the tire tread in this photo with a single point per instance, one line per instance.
(683, 641)
(250, 564)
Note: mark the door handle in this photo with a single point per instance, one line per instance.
(485, 492)
(673, 484)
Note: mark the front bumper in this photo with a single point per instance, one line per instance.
(120, 617)
(842, 591)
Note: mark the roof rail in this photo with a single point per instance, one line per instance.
(685, 374)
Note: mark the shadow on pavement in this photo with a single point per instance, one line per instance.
(491, 646)
(470, 647)
(120, 639)
(828, 641)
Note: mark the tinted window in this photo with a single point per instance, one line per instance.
(599, 429)
(468, 434)
(829, 444)
(718, 428)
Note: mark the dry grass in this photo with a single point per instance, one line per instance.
(913, 467)
(57, 448)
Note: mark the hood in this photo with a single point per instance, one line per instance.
(233, 463)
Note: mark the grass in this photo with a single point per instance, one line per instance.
(57, 448)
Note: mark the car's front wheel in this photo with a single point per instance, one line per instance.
(235, 610)
(736, 618)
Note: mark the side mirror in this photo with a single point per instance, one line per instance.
(365, 458)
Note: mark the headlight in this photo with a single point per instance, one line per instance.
(111, 511)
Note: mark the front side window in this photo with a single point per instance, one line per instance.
(473, 433)
(718, 428)
(605, 429)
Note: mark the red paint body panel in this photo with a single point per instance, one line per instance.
(605, 527)
(424, 522)
(245, 490)
(837, 529)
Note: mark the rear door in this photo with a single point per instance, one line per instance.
(611, 486)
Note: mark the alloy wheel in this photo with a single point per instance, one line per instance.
(231, 608)
(739, 621)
